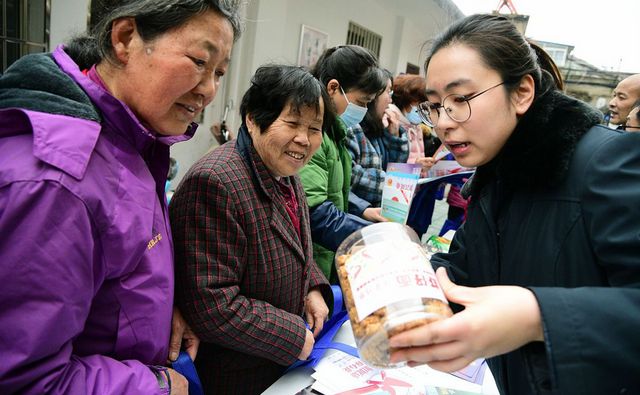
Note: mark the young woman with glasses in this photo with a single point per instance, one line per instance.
(547, 264)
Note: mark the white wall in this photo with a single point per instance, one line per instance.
(68, 17)
(272, 35)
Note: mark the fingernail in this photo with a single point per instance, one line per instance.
(173, 356)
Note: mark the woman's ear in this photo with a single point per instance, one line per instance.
(123, 31)
(524, 94)
(251, 125)
(333, 86)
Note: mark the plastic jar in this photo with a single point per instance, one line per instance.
(389, 287)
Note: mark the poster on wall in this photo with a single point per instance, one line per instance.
(313, 42)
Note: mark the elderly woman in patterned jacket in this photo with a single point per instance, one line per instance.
(246, 278)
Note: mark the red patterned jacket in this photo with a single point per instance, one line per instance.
(242, 271)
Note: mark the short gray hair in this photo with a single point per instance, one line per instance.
(153, 18)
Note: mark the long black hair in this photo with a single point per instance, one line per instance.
(372, 122)
(504, 49)
(354, 67)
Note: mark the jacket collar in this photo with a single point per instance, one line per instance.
(280, 218)
(260, 170)
(537, 154)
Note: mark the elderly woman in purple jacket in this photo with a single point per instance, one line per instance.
(86, 253)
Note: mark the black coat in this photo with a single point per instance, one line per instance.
(558, 212)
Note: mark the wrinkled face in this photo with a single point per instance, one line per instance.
(624, 96)
(168, 81)
(383, 101)
(458, 69)
(291, 140)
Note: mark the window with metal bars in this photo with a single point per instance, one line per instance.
(24, 29)
(358, 35)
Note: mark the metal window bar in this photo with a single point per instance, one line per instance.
(359, 35)
(26, 11)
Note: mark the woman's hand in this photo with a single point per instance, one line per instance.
(182, 333)
(309, 341)
(179, 384)
(392, 118)
(496, 320)
(426, 163)
(316, 310)
(373, 214)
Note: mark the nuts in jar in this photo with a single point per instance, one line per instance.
(389, 287)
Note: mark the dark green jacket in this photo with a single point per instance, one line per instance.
(327, 183)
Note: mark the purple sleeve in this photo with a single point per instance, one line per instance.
(50, 271)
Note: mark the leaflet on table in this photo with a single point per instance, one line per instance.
(398, 189)
(448, 391)
(343, 374)
(474, 372)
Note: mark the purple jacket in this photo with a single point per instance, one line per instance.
(86, 267)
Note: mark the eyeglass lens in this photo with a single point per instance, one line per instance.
(456, 106)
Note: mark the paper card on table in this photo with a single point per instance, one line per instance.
(398, 190)
(474, 372)
(343, 374)
(449, 391)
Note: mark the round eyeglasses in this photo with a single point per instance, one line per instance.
(456, 107)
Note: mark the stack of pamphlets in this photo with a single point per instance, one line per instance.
(342, 374)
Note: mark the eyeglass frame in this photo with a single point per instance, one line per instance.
(466, 99)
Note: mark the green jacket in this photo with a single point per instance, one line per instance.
(327, 177)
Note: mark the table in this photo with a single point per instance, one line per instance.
(298, 379)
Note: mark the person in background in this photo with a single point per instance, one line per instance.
(86, 256)
(352, 78)
(373, 145)
(625, 94)
(245, 274)
(172, 173)
(408, 92)
(548, 260)
(633, 119)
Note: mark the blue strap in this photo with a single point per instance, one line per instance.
(184, 365)
(324, 340)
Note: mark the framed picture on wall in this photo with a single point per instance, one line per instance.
(313, 42)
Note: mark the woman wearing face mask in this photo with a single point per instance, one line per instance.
(373, 144)
(408, 92)
(353, 79)
(549, 255)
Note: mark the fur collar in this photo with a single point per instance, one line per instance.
(36, 82)
(538, 153)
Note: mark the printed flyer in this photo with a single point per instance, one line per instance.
(398, 190)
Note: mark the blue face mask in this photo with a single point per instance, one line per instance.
(413, 116)
(353, 114)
